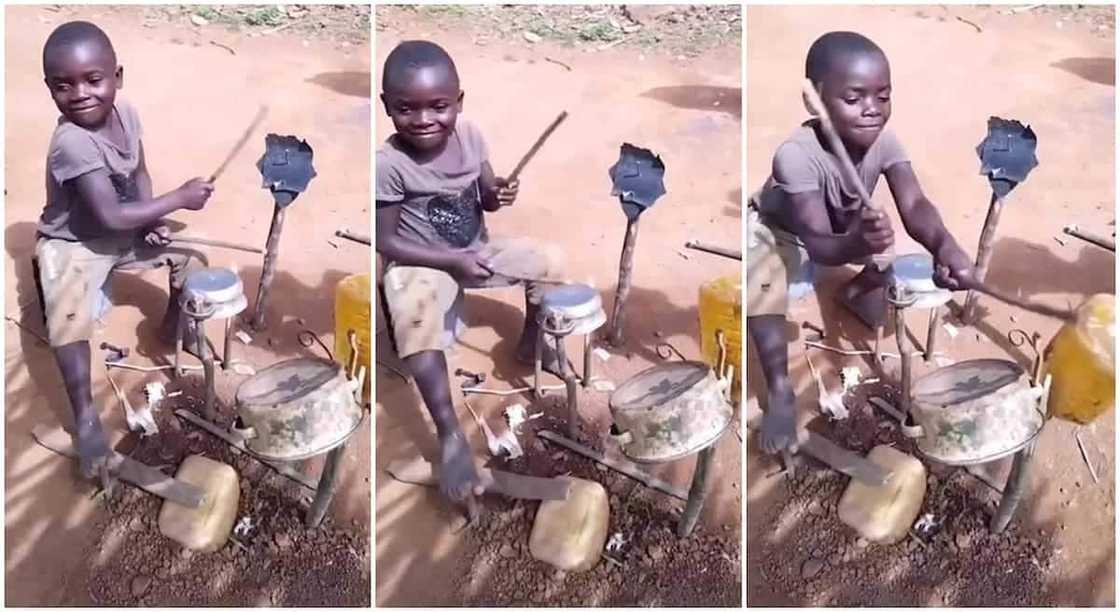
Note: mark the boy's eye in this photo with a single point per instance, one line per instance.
(442, 106)
(851, 99)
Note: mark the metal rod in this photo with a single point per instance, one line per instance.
(931, 333)
(625, 272)
(983, 255)
(1013, 490)
(537, 146)
(214, 243)
(697, 493)
(227, 345)
(208, 410)
(714, 250)
(261, 112)
(570, 389)
(587, 360)
(617, 464)
(1101, 241)
(347, 234)
(268, 271)
(904, 357)
(328, 483)
(1045, 310)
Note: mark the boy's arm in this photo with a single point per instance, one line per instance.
(807, 216)
(496, 191)
(143, 179)
(397, 248)
(924, 224)
(96, 190)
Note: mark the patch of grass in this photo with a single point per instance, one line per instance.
(269, 16)
(599, 31)
(207, 13)
(444, 10)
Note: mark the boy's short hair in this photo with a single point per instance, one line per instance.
(412, 55)
(73, 33)
(831, 47)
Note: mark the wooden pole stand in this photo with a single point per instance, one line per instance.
(268, 269)
(625, 272)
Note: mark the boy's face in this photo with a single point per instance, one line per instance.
(83, 80)
(857, 94)
(424, 106)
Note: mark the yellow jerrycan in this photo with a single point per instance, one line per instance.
(1082, 359)
(352, 312)
(721, 308)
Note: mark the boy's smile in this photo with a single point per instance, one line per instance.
(83, 80)
(424, 107)
(857, 93)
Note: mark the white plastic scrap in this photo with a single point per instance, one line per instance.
(244, 337)
(515, 416)
(850, 377)
(243, 526)
(616, 542)
(950, 329)
(602, 386)
(925, 524)
(601, 353)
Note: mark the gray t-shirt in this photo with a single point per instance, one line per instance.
(440, 200)
(75, 151)
(802, 165)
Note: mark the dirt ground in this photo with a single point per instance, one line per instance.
(687, 110)
(62, 546)
(1051, 68)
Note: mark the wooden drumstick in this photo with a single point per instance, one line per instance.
(241, 142)
(536, 146)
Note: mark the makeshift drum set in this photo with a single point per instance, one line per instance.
(287, 412)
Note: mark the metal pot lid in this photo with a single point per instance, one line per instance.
(914, 271)
(214, 285)
(965, 381)
(657, 385)
(573, 301)
(286, 381)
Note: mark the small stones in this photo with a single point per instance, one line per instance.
(811, 568)
(140, 585)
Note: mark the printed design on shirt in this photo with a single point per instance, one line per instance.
(127, 190)
(457, 218)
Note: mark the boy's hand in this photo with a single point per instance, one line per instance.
(195, 193)
(873, 229)
(158, 235)
(471, 267)
(505, 191)
(952, 269)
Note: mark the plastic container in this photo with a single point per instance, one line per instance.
(885, 513)
(1082, 359)
(721, 309)
(207, 527)
(351, 312)
(569, 534)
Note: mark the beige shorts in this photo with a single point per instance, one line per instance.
(773, 258)
(73, 273)
(425, 304)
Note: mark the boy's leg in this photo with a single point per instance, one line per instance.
(458, 479)
(779, 424)
(866, 296)
(516, 260)
(71, 273)
(180, 262)
(770, 263)
(422, 304)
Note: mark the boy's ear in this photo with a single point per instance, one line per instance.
(462, 94)
(384, 103)
(120, 77)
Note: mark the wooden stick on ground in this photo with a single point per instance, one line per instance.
(714, 250)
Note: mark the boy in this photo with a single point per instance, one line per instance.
(805, 208)
(100, 215)
(434, 182)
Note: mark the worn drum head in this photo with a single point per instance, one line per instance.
(214, 284)
(669, 411)
(966, 381)
(286, 382)
(573, 301)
